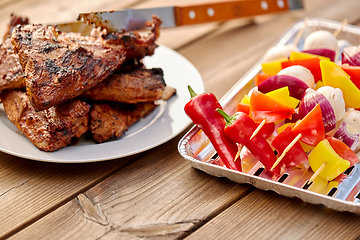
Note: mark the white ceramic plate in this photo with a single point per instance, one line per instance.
(160, 126)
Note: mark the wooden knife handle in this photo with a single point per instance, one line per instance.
(221, 11)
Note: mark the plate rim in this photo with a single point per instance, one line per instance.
(158, 59)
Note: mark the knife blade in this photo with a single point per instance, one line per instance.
(173, 16)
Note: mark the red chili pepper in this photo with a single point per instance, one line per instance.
(296, 155)
(239, 128)
(202, 111)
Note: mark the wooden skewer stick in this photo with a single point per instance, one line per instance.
(344, 22)
(258, 129)
(238, 153)
(300, 32)
(317, 173)
(286, 150)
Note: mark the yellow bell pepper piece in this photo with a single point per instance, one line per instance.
(302, 55)
(282, 95)
(272, 67)
(246, 100)
(334, 164)
(319, 184)
(319, 84)
(336, 77)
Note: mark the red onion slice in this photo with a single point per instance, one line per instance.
(351, 56)
(350, 139)
(310, 99)
(324, 52)
(296, 86)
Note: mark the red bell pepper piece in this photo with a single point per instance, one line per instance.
(265, 107)
(266, 130)
(343, 150)
(296, 155)
(239, 128)
(202, 111)
(313, 64)
(354, 73)
(311, 127)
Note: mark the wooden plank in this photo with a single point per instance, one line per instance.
(30, 189)
(159, 195)
(46, 186)
(267, 215)
(132, 201)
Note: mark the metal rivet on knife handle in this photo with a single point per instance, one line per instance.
(222, 11)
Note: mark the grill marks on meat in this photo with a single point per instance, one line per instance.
(137, 85)
(111, 120)
(51, 129)
(11, 73)
(59, 67)
(14, 21)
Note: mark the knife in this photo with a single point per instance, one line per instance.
(173, 16)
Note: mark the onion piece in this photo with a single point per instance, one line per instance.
(324, 52)
(351, 56)
(310, 99)
(350, 139)
(296, 86)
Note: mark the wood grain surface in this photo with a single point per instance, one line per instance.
(157, 194)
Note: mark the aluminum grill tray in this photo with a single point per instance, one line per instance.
(195, 146)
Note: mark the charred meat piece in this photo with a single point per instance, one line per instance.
(138, 85)
(51, 129)
(11, 73)
(14, 21)
(59, 67)
(135, 45)
(111, 120)
(129, 65)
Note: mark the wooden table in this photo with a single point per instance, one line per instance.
(157, 194)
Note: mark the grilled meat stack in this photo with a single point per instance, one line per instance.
(57, 86)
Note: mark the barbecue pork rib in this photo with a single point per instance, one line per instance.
(137, 85)
(51, 129)
(59, 67)
(110, 120)
(11, 73)
(136, 45)
(14, 21)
